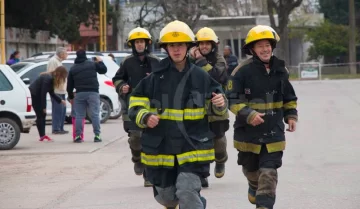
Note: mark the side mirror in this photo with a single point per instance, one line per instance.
(26, 81)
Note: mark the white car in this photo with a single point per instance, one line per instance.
(16, 112)
(29, 70)
(120, 55)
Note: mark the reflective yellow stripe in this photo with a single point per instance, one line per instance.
(207, 67)
(247, 147)
(290, 105)
(194, 114)
(139, 116)
(196, 156)
(235, 108)
(256, 148)
(265, 106)
(180, 115)
(158, 160)
(276, 146)
(139, 101)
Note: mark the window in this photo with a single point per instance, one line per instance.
(18, 66)
(67, 66)
(5, 84)
(34, 73)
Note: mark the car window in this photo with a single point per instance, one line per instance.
(18, 66)
(68, 66)
(33, 73)
(5, 84)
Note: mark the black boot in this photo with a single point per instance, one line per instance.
(219, 170)
(139, 168)
(204, 182)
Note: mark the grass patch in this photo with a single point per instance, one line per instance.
(331, 77)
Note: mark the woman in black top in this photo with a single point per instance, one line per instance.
(44, 84)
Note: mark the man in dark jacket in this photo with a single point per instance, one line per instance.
(207, 57)
(231, 60)
(261, 97)
(83, 77)
(172, 105)
(132, 69)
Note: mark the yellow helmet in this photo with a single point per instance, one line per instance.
(206, 34)
(138, 33)
(260, 32)
(176, 32)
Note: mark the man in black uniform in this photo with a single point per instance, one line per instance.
(172, 105)
(261, 97)
(206, 56)
(231, 60)
(132, 69)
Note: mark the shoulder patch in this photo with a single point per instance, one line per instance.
(240, 65)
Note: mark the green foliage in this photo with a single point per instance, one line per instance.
(337, 11)
(328, 39)
(60, 17)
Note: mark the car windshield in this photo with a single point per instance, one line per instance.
(19, 66)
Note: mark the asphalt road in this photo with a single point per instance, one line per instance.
(320, 166)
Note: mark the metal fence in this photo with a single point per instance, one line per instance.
(314, 70)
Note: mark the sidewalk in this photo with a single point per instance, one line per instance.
(29, 143)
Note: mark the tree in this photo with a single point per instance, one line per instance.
(62, 18)
(283, 9)
(328, 40)
(337, 11)
(158, 12)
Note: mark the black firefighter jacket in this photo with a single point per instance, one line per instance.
(131, 71)
(182, 101)
(215, 65)
(250, 90)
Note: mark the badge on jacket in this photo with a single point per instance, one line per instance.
(247, 91)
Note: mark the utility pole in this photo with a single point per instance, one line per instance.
(103, 25)
(352, 33)
(2, 31)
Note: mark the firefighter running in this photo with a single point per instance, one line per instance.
(206, 56)
(261, 97)
(132, 69)
(172, 106)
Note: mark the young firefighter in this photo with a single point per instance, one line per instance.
(261, 97)
(132, 69)
(206, 56)
(172, 104)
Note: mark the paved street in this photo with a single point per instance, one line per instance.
(320, 169)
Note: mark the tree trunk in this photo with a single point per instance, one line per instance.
(115, 29)
(352, 41)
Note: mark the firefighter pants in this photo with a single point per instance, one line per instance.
(261, 173)
(179, 185)
(219, 128)
(220, 150)
(135, 145)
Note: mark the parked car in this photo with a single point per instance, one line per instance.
(16, 113)
(109, 98)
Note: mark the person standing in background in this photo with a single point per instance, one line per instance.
(83, 78)
(14, 58)
(231, 60)
(58, 110)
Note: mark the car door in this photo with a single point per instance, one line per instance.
(8, 89)
(32, 74)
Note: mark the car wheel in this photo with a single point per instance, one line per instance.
(9, 133)
(116, 115)
(105, 111)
